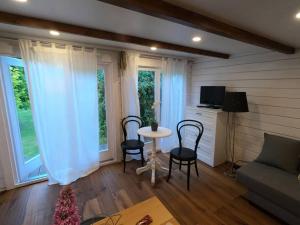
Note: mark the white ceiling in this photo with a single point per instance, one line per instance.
(273, 18)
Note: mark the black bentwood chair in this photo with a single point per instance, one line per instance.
(186, 156)
(132, 144)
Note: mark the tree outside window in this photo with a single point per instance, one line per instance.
(146, 85)
(102, 109)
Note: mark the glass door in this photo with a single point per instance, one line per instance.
(25, 149)
(149, 89)
(105, 151)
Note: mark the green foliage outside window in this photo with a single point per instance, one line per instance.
(146, 84)
(30, 147)
(102, 108)
(20, 87)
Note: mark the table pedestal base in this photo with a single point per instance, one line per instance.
(152, 165)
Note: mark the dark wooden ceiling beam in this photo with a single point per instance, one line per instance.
(167, 11)
(20, 20)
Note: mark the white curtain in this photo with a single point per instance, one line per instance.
(63, 92)
(130, 97)
(129, 79)
(173, 97)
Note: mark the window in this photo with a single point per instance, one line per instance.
(149, 89)
(25, 150)
(102, 110)
(30, 147)
(146, 84)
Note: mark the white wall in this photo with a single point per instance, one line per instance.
(272, 83)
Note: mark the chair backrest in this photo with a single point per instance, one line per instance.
(130, 119)
(190, 123)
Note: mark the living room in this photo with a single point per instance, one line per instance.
(149, 112)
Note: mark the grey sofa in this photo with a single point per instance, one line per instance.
(273, 188)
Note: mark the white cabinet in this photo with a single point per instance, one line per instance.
(211, 148)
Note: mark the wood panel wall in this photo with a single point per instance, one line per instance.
(272, 83)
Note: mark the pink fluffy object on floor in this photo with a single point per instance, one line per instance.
(66, 210)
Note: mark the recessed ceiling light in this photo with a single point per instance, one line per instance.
(153, 48)
(196, 39)
(54, 32)
(22, 1)
(298, 16)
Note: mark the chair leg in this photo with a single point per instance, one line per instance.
(142, 156)
(188, 175)
(196, 167)
(180, 165)
(170, 168)
(124, 160)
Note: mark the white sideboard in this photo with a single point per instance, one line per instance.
(211, 148)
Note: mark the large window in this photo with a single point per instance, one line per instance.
(146, 90)
(149, 89)
(30, 147)
(25, 150)
(102, 110)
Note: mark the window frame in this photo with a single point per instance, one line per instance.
(106, 154)
(19, 167)
(103, 67)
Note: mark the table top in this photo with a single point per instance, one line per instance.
(152, 207)
(161, 132)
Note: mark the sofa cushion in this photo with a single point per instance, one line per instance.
(280, 152)
(273, 184)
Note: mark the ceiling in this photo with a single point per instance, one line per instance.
(271, 18)
(274, 19)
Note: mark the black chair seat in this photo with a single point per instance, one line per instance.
(132, 144)
(186, 154)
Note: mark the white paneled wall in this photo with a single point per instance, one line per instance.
(272, 83)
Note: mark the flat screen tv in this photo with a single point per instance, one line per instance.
(212, 96)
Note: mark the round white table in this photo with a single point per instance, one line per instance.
(153, 164)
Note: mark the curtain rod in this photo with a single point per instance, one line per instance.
(60, 42)
(143, 54)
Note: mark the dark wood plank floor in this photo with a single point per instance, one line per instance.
(213, 199)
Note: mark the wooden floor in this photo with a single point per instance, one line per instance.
(213, 198)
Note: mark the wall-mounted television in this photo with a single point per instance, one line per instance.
(212, 96)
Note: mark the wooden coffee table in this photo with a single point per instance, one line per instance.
(152, 207)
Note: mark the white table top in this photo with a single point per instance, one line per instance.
(161, 132)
